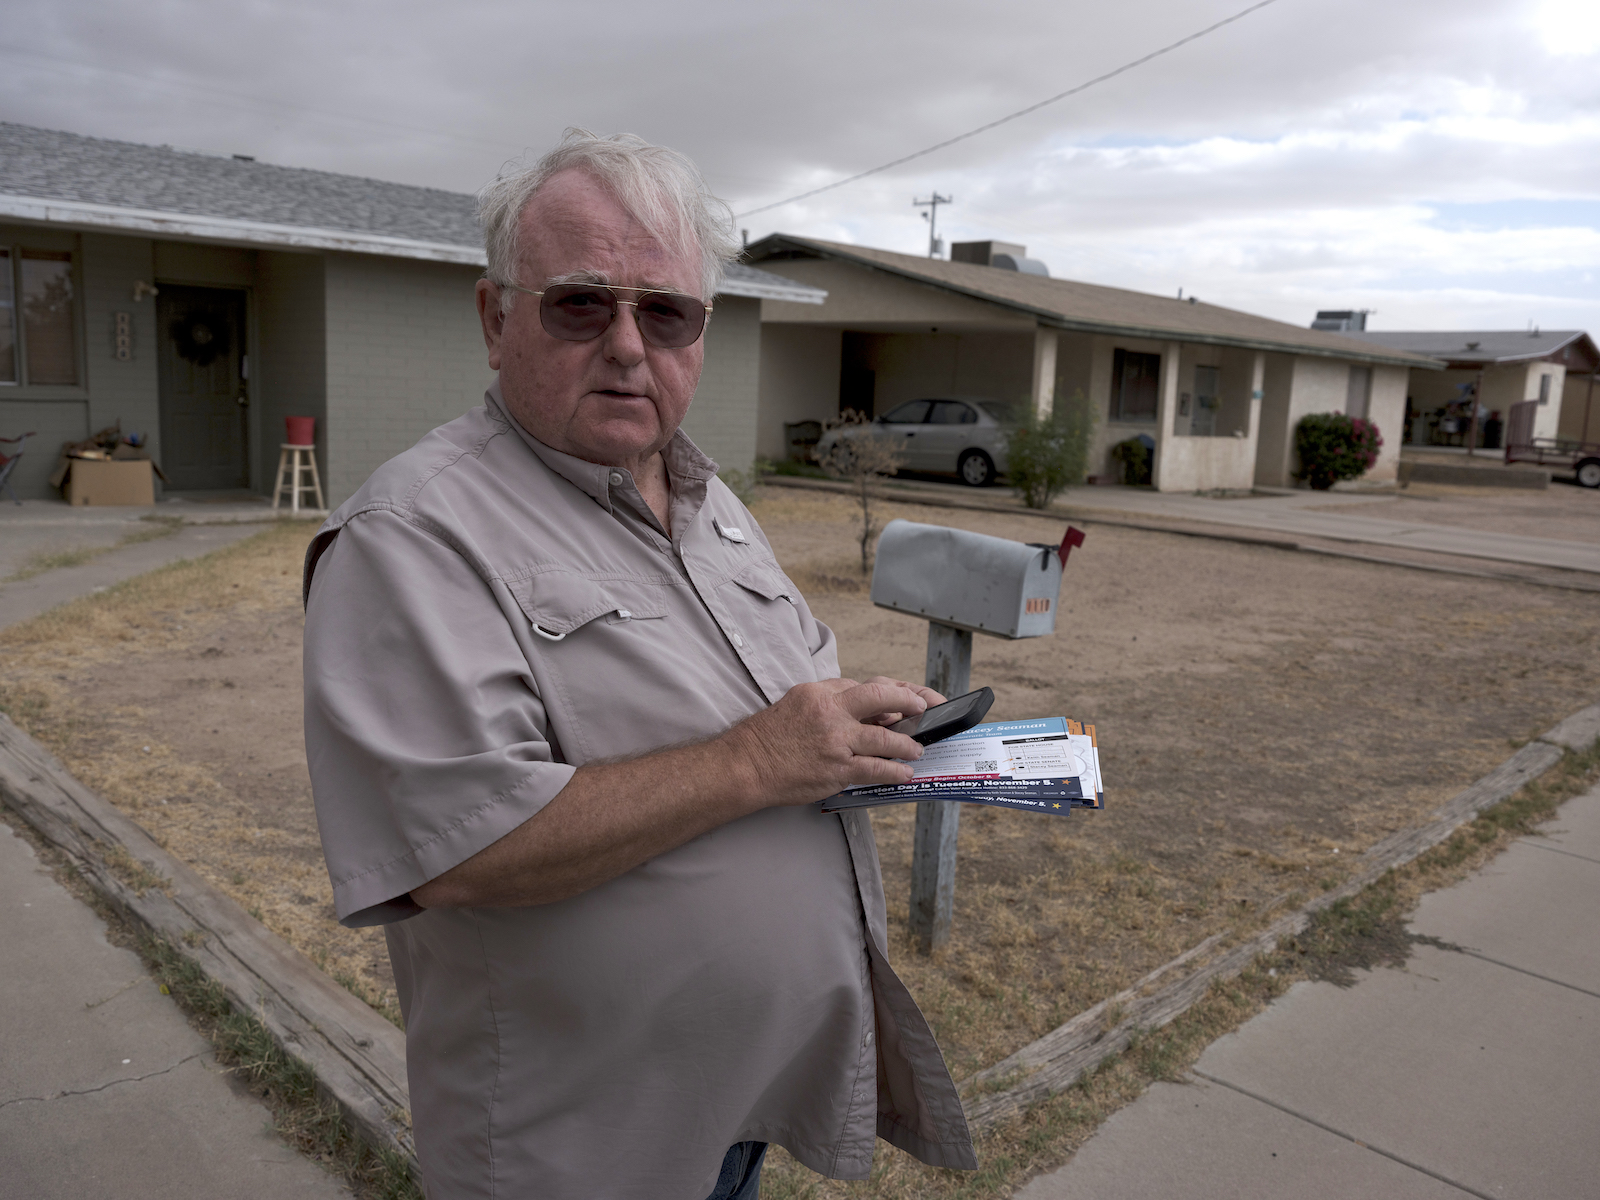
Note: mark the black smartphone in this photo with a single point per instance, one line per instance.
(947, 719)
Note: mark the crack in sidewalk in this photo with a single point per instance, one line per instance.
(108, 1084)
(1349, 1137)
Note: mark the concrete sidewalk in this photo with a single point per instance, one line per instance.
(1471, 1071)
(114, 535)
(105, 1089)
(1288, 515)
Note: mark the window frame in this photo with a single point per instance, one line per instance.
(12, 258)
(22, 388)
(1119, 362)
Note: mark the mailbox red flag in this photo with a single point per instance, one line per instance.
(1073, 537)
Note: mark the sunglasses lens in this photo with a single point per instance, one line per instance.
(669, 320)
(581, 312)
(576, 312)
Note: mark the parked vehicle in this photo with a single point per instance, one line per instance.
(1581, 458)
(960, 435)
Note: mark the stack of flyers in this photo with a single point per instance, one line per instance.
(1049, 765)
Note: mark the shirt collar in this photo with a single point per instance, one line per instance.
(688, 468)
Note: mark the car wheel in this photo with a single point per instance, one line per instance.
(1589, 473)
(976, 469)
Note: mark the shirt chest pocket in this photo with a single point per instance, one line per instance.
(764, 618)
(557, 603)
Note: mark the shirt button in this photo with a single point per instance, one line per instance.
(738, 642)
(616, 479)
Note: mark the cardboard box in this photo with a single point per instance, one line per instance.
(105, 482)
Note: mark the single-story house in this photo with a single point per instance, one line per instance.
(1555, 367)
(1218, 391)
(200, 299)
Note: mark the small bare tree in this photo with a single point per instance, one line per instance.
(862, 456)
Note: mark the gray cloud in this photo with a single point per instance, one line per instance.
(1289, 156)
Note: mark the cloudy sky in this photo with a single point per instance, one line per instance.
(1437, 161)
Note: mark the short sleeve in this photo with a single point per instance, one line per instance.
(425, 736)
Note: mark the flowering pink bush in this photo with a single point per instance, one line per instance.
(1333, 446)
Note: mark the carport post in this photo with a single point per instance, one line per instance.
(933, 853)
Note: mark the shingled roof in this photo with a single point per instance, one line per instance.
(1471, 348)
(1092, 308)
(94, 183)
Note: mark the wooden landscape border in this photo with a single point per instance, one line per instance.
(359, 1058)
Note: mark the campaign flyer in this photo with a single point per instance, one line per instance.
(1048, 764)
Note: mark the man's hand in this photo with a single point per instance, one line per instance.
(823, 737)
(817, 740)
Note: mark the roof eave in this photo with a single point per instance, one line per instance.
(1056, 320)
(80, 214)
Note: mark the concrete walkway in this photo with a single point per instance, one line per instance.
(1288, 516)
(1469, 1072)
(105, 1090)
(123, 542)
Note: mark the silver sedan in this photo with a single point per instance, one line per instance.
(960, 435)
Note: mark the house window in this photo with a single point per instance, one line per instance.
(1136, 385)
(1359, 393)
(49, 317)
(1207, 390)
(1544, 389)
(8, 319)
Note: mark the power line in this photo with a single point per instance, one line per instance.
(1021, 112)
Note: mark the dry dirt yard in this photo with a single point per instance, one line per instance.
(1263, 717)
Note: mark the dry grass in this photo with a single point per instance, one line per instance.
(1350, 699)
(193, 807)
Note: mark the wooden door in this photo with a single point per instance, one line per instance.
(203, 400)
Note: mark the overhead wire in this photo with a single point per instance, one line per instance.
(1021, 112)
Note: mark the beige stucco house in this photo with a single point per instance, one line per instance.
(1217, 390)
(200, 299)
(1554, 368)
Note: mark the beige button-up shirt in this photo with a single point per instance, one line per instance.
(483, 617)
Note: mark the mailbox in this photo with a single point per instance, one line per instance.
(970, 580)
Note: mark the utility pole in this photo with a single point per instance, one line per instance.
(932, 218)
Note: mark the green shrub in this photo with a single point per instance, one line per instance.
(1044, 456)
(1333, 446)
(1133, 456)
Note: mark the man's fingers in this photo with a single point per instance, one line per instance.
(877, 742)
(873, 699)
(876, 772)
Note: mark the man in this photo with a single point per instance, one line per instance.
(567, 721)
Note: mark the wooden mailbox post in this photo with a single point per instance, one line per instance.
(961, 583)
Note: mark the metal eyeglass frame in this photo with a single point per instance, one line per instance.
(614, 288)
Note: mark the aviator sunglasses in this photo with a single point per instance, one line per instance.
(581, 312)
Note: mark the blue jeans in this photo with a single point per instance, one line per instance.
(741, 1172)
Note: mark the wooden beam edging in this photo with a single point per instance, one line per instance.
(358, 1058)
(1064, 1055)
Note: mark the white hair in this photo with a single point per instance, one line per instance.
(660, 188)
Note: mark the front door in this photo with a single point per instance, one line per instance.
(203, 401)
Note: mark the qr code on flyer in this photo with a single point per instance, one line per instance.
(985, 765)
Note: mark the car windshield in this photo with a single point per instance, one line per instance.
(999, 410)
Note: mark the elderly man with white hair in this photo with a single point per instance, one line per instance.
(567, 722)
